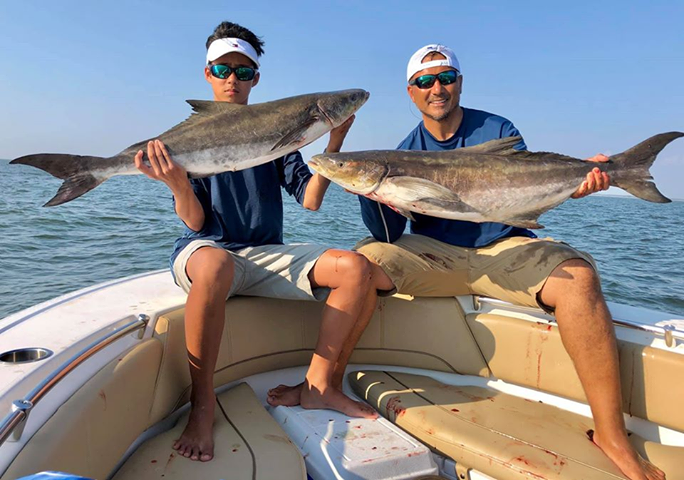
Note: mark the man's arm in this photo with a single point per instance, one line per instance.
(318, 185)
(162, 168)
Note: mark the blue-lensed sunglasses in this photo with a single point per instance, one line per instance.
(427, 81)
(243, 74)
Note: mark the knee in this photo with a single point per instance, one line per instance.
(355, 269)
(215, 267)
(581, 274)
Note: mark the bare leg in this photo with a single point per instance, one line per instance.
(586, 328)
(211, 271)
(349, 277)
(380, 282)
(290, 395)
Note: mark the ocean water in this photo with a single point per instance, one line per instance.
(127, 226)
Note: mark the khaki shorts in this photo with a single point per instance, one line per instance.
(276, 271)
(512, 269)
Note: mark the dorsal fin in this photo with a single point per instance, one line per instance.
(504, 146)
(208, 107)
(501, 146)
(201, 110)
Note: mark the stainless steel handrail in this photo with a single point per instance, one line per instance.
(667, 331)
(13, 424)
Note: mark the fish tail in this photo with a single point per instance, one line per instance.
(632, 167)
(75, 170)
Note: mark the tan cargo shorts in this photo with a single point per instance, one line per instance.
(512, 269)
(276, 271)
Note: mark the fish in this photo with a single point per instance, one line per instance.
(217, 137)
(489, 182)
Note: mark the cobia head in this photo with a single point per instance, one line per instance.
(337, 107)
(358, 175)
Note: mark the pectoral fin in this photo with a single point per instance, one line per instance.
(420, 192)
(294, 137)
(414, 188)
(402, 212)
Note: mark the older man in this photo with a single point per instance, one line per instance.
(500, 260)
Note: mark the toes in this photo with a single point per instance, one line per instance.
(275, 401)
(181, 448)
(195, 454)
(278, 390)
(206, 457)
(367, 411)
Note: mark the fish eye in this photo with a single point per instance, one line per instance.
(340, 164)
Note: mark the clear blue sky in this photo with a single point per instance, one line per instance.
(575, 77)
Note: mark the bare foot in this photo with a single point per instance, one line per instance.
(622, 453)
(288, 396)
(334, 399)
(285, 395)
(197, 442)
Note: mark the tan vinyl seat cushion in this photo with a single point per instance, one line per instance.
(501, 435)
(249, 444)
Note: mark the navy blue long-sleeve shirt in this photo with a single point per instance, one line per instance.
(477, 127)
(245, 208)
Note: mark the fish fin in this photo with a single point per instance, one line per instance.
(450, 205)
(208, 107)
(523, 223)
(202, 109)
(643, 188)
(505, 146)
(402, 212)
(75, 170)
(500, 146)
(414, 188)
(295, 136)
(74, 187)
(631, 171)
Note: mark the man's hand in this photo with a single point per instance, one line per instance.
(596, 179)
(338, 134)
(161, 167)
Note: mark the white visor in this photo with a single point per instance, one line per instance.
(220, 47)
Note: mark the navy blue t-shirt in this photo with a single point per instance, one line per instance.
(245, 208)
(477, 127)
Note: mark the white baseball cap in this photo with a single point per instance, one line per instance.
(221, 46)
(415, 64)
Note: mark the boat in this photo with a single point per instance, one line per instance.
(96, 383)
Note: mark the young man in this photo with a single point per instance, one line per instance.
(547, 274)
(233, 245)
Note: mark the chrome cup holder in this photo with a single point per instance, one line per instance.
(25, 355)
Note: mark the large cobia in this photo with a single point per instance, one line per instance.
(217, 137)
(491, 182)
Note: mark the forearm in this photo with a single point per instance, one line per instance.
(315, 191)
(188, 207)
(318, 185)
